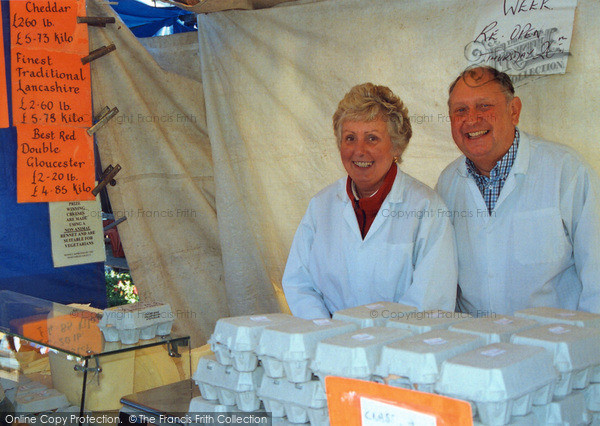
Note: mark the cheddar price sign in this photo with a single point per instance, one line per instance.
(51, 101)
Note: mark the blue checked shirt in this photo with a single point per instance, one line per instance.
(490, 187)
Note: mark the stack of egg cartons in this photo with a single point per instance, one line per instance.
(130, 323)
(231, 376)
(573, 340)
(286, 351)
(501, 381)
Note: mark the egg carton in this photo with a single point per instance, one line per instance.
(373, 314)
(30, 386)
(38, 401)
(417, 360)
(501, 379)
(293, 400)
(527, 420)
(569, 410)
(547, 315)
(200, 405)
(132, 322)
(494, 329)
(318, 416)
(354, 354)
(575, 350)
(235, 339)
(592, 397)
(286, 350)
(424, 321)
(227, 385)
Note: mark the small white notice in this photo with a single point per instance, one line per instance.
(377, 413)
(523, 37)
(76, 232)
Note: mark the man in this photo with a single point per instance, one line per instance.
(525, 211)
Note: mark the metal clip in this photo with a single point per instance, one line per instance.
(95, 21)
(107, 177)
(98, 53)
(102, 120)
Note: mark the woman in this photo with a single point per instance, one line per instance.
(377, 235)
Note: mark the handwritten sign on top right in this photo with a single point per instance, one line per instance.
(523, 37)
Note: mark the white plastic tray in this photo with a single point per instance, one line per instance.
(354, 354)
(417, 359)
(546, 315)
(225, 383)
(424, 321)
(494, 329)
(575, 350)
(570, 410)
(235, 339)
(132, 322)
(373, 314)
(502, 379)
(286, 349)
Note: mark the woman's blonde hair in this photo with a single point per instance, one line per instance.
(368, 102)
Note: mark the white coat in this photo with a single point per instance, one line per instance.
(541, 244)
(408, 255)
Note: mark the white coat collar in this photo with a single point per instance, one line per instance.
(520, 165)
(396, 194)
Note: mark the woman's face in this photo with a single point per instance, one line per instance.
(366, 151)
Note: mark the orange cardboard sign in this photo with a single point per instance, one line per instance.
(49, 25)
(54, 163)
(77, 333)
(50, 88)
(51, 100)
(356, 402)
(3, 89)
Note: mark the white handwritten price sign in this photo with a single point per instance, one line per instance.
(354, 402)
(524, 37)
(51, 98)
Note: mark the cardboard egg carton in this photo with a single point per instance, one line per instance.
(592, 397)
(416, 360)
(373, 314)
(528, 420)
(575, 351)
(235, 339)
(286, 349)
(200, 405)
(293, 400)
(569, 410)
(132, 322)
(494, 329)
(501, 380)
(228, 385)
(547, 315)
(424, 321)
(354, 354)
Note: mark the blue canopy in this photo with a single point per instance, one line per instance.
(148, 21)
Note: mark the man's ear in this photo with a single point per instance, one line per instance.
(515, 110)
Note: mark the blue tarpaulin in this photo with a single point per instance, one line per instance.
(148, 21)
(25, 248)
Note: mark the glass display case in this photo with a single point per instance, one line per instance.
(70, 331)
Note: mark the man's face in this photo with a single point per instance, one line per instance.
(483, 121)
